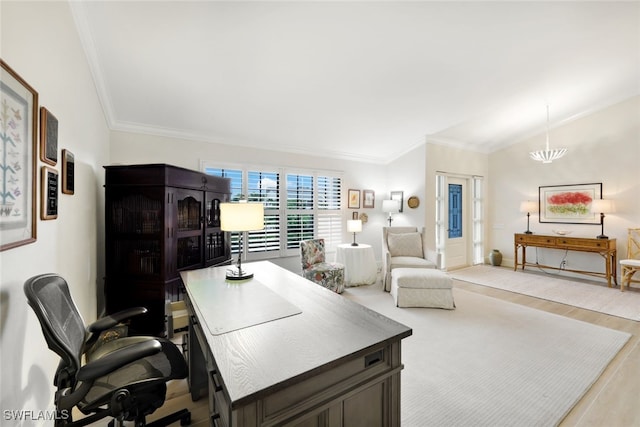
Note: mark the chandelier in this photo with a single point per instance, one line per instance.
(547, 155)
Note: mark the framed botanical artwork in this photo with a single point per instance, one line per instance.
(569, 204)
(354, 199)
(48, 137)
(368, 198)
(49, 193)
(399, 196)
(18, 174)
(68, 171)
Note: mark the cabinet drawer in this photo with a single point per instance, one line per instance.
(584, 243)
(219, 404)
(521, 238)
(329, 384)
(197, 332)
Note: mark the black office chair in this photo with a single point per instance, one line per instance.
(124, 379)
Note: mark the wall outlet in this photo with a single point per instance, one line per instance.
(563, 264)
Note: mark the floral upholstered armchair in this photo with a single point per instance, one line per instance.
(315, 268)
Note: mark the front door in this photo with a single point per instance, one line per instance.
(456, 209)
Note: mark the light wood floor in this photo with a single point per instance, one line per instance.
(613, 401)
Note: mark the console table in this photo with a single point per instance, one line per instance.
(606, 248)
(280, 350)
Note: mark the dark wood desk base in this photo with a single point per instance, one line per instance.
(606, 248)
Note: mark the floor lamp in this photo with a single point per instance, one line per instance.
(241, 217)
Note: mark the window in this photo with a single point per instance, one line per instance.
(310, 208)
(329, 217)
(264, 187)
(300, 209)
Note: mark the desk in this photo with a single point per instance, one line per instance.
(360, 266)
(606, 248)
(330, 362)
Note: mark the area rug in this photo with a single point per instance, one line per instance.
(591, 296)
(492, 363)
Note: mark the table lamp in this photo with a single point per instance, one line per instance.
(354, 226)
(391, 207)
(528, 207)
(602, 206)
(241, 217)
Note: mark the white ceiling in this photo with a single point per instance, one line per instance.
(365, 80)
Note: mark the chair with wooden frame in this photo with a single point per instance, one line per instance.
(631, 265)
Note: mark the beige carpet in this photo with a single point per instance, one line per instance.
(491, 362)
(591, 296)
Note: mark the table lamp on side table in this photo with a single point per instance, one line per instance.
(601, 206)
(354, 226)
(241, 217)
(528, 207)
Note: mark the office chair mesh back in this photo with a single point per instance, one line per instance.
(61, 323)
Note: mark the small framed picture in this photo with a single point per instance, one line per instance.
(354, 215)
(49, 193)
(399, 196)
(48, 137)
(354, 199)
(368, 198)
(68, 170)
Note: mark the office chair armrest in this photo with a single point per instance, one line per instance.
(117, 359)
(112, 320)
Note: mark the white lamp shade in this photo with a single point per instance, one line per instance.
(241, 216)
(528, 206)
(601, 206)
(354, 226)
(391, 206)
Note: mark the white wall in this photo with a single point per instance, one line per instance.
(406, 174)
(40, 43)
(602, 147)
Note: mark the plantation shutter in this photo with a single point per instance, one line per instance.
(300, 209)
(329, 210)
(264, 187)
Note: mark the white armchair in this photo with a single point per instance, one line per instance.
(403, 247)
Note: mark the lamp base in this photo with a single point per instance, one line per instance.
(528, 232)
(238, 274)
(354, 244)
(602, 236)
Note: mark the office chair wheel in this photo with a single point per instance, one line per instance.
(186, 420)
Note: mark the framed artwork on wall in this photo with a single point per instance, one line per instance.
(49, 193)
(18, 128)
(68, 171)
(354, 199)
(399, 196)
(368, 198)
(48, 137)
(569, 204)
